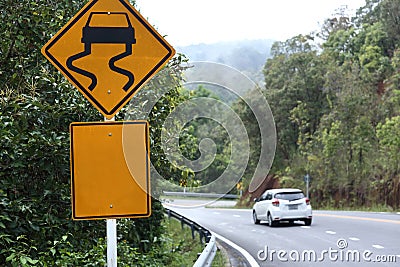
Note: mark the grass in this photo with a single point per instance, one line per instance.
(185, 248)
(220, 260)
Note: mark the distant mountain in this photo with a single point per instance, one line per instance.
(248, 56)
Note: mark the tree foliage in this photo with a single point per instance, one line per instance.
(37, 106)
(295, 92)
(336, 108)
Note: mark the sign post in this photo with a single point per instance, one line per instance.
(307, 179)
(111, 229)
(111, 243)
(108, 51)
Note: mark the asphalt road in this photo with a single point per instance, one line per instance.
(335, 237)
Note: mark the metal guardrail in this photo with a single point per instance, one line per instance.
(194, 194)
(207, 256)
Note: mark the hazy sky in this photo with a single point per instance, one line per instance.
(186, 22)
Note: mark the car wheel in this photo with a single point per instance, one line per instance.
(255, 220)
(307, 222)
(271, 222)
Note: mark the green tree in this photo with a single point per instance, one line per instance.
(37, 105)
(388, 134)
(388, 179)
(295, 76)
(342, 142)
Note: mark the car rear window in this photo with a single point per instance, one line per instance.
(289, 195)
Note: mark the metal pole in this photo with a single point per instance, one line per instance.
(111, 235)
(307, 181)
(111, 242)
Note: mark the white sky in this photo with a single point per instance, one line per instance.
(186, 22)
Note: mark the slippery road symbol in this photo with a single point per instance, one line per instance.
(106, 35)
(108, 51)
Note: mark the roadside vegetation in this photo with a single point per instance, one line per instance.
(182, 244)
(37, 105)
(186, 249)
(335, 96)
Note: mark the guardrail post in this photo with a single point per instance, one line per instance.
(192, 228)
(201, 234)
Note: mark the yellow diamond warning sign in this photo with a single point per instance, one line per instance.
(108, 51)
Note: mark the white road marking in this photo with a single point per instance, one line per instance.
(250, 259)
(354, 238)
(305, 227)
(237, 216)
(358, 218)
(378, 246)
(215, 212)
(330, 232)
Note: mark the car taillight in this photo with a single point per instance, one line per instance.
(307, 201)
(275, 202)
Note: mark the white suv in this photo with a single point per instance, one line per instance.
(277, 205)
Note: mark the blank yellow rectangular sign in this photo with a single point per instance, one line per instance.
(110, 174)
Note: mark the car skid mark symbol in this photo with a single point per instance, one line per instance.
(105, 35)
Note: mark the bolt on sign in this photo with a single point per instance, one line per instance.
(110, 173)
(108, 51)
